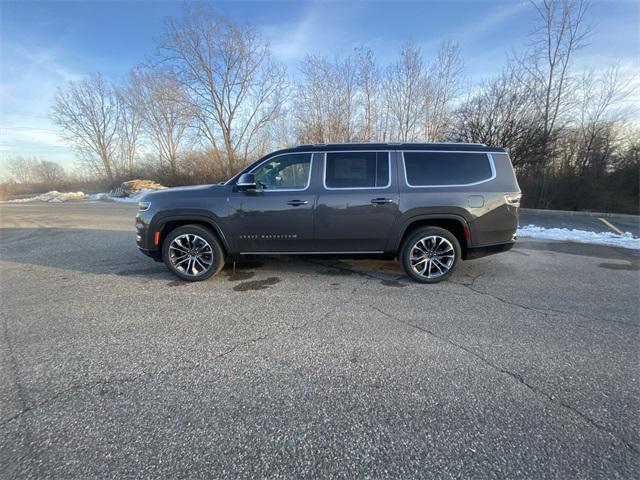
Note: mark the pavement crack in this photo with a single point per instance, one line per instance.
(519, 378)
(543, 311)
(14, 364)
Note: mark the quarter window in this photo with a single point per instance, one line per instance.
(450, 168)
(284, 172)
(357, 170)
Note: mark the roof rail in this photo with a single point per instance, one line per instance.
(389, 143)
(467, 143)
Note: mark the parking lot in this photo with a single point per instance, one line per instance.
(522, 365)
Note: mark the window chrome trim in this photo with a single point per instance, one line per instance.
(324, 173)
(488, 155)
(286, 189)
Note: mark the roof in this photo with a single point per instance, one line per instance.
(444, 146)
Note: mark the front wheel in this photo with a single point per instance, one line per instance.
(193, 253)
(430, 254)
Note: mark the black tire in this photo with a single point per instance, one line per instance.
(216, 255)
(424, 233)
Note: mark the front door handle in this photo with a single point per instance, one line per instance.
(297, 203)
(381, 201)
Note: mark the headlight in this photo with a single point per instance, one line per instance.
(513, 199)
(142, 206)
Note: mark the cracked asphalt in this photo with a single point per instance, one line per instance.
(523, 365)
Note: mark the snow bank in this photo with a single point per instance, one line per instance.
(58, 197)
(129, 192)
(581, 236)
(53, 196)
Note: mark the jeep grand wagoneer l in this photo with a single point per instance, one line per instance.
(429, 205)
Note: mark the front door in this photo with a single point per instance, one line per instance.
(358, 204)
(278, 215)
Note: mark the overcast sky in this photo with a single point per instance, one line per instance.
(45, 44)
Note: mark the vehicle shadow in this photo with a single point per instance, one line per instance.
(114, 252)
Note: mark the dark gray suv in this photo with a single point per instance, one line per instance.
(430, 205)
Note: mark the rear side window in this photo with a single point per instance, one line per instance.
(357, 170)
(448, 168)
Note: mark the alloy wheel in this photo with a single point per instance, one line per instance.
(432, 256)
(191, 254)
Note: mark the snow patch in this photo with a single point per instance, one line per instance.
(53, 196)
(626, 240)
(58, 197)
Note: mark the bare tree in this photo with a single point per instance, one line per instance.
(227, 71)
(22, 169)
(49, 173)
(310, 104)
(599, 115)
(129, 127)
(562, 32)
(88, 112)
(500, 112)
(368, 78)
(403, 91)
(165, 110)
(443, 84)
(326, 104)
(343, 101)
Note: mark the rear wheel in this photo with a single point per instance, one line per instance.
(193, 253)
(430, 254)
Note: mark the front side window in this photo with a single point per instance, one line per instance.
(284, 172)
(446, 168)
(357, 170)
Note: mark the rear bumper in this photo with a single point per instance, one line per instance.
(478, 252)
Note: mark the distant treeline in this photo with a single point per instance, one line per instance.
(212, 98)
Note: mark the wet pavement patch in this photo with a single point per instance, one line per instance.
(177, 283)
(392, 283)
(256, 284)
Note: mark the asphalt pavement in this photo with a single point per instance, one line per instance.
(522, 365)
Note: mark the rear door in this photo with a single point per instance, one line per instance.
(357, 203)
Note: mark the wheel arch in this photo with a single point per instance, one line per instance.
(169, 223)
(455, 224)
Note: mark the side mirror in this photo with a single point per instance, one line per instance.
(247, 181)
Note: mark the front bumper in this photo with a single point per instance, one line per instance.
(155, 254)
(144, 238)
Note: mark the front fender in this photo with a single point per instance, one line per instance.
(184, 216)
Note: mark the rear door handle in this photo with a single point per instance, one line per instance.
(381, 201)
(297, 203)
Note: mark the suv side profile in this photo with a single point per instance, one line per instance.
(429, 205)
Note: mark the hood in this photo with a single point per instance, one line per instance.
(182, 192)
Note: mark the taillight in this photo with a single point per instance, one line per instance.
(513, 199)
